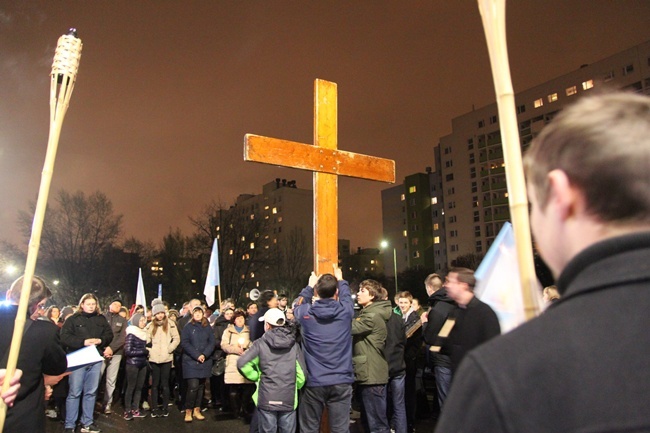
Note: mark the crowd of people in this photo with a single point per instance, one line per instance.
(580, 366)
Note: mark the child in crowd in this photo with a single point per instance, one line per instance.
(135, 350)
(275, 363)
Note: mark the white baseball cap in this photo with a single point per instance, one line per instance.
(274, 317)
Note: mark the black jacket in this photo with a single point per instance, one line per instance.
(580, 366)
(40, 353)
(441, 305)
(475, 324)
(118, 325)
(395, 343)
(81, 326)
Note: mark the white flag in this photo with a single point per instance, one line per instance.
(212, 279)
(140, 299)
(497, 281)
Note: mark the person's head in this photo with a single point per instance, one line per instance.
(550, 294)
(239, 318)
(273, 318)
(460, 284)
(115, 306)
(226, 304)
(198, 315)
(251, 308)
(158, 309)
(53, 313)
(268, 299)
(432, 283)
(124, 312)
(327, 286)
(173, 314)
(282, 300)
(37, 296)
(89, 304)
(186, 308)
(369, 292)
(67, 311)
(139, 320)
(383, 294)
(228, 313)
(193, 304)
(415, 304)
(404, 301)
(587, 174)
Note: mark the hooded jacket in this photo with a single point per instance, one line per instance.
(369, 333)
(274, 363)
(197, 340)
(326, 337)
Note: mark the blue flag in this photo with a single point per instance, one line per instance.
(212, 279)
(497, 281)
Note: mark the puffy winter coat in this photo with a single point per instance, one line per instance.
(135, 346)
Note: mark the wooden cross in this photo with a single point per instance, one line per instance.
(327, 163)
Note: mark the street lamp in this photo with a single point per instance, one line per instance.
(384, 244)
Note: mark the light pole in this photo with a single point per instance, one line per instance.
(384, 244)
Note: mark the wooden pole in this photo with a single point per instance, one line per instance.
(493, 14)
(63, 76)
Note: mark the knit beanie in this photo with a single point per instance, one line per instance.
(157, 306)
(135, 319)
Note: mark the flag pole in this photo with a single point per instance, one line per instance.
(63, 77)
(493, 15)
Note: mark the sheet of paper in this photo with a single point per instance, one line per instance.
(85, 356)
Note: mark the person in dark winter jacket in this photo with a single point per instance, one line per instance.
(327, 345)
(582, 365)
(85, 328)
(255, 324)
(217, 384)
(113, 352)
(198, 344)
(40, 353)
(370, 366)
(135, 350)
(413, 327)
(274, 363)
(440, 306)
(394, 354)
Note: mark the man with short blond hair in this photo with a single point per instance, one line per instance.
(583, 364)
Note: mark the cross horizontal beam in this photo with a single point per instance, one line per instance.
(292, 154)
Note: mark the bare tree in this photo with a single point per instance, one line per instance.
(78, 232)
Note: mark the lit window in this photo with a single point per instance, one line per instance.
(274, 210)
(243, 238)
(230, 252)
(552, 97)
(372, 262)
(266, 207)
(435, 226)
(436, 240)
(218, 228)
(434, 200)
(252, 216)
(402, 197)
(412, 189)
(586, 85)
(405, 233)
(252, 245)
(571, 90)
(279, 219)
(538, 102)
